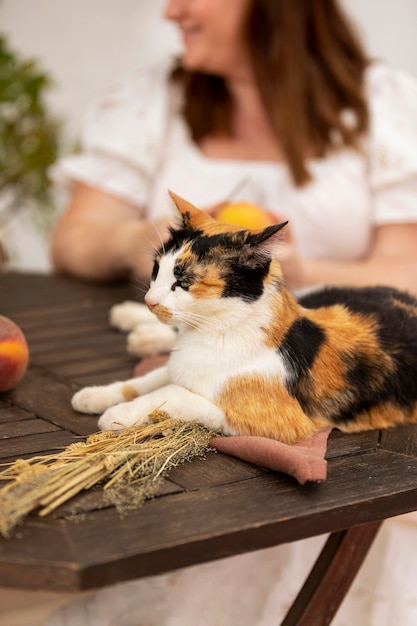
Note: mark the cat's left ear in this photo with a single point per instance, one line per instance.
(265, 243)
(191, 216)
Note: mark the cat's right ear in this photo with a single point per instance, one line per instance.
(191, 217)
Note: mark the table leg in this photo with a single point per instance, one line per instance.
(331, 576)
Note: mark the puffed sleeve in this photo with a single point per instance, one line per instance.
(392, 148)
(122, 137)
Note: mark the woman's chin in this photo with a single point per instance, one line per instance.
(194, 60)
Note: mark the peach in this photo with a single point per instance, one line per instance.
(14, 354)
(244, 214)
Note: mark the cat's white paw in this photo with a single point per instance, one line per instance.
(151, 339)
(97, 399)
(126, 315)
(124, 415)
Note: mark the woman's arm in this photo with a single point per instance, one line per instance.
(391, 261)
(101, 237)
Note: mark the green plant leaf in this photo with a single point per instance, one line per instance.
(29, 133)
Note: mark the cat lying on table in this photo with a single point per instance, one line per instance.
(250, 359)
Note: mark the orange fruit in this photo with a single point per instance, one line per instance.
(244, 214)
(14, 354)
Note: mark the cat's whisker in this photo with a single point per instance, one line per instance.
(188, 321)
(199, 322)
(160, 238)
(147, 251)
(154, 247)
(141, 283)
(185, 319)
(141, 287)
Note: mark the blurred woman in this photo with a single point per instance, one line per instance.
(274, 103)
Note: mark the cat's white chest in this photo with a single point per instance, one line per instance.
(205, 365)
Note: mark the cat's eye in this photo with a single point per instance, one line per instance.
(182, 277)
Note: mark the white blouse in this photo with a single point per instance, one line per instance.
(136, 146)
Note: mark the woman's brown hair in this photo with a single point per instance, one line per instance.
(309, 66)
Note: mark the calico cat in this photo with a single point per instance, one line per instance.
(250, 358)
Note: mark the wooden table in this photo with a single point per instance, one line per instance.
(208, 509)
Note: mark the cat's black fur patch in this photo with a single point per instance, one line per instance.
(244, 282)
(357, 299)
(299, 348)
(155, 270)
(205, 246)
(179, 236)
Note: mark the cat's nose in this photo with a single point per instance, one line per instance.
(150, 302)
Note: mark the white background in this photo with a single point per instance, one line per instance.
(84, 44)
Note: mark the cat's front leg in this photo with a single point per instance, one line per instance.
(128, 314)
(177, 402)
(149, 339)
(99, 398)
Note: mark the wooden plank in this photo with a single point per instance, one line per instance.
(56, 571)
(97, 365)
(50, 399)
(33, 319)
(104, 378)
(9, 413)
(402, 439)
(93, 500)
(60, 335)
(100, 342)
(25, 427)
(214, 469)
(79, 354)
(29, 291)
(340, 444)
(32, 444)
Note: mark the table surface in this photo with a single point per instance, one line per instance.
(207, 509)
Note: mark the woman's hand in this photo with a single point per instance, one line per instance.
(101, 237)
(392, 261)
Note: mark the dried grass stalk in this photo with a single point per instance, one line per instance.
(130, 465)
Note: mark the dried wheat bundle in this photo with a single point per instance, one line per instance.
(131, 466)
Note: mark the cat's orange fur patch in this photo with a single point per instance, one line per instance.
(263, 407)
(210, 286)
(213, 227)
(352, 335)
(186, 255)
(285, 311)
(275, 275)
(328, 373)
(384, 416)
(162, 312)
(129, 392)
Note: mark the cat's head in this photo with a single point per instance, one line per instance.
(206, 266)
